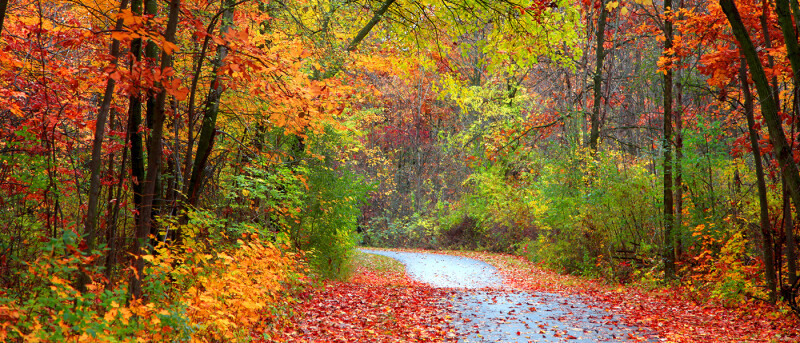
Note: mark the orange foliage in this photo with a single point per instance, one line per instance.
(208, 297)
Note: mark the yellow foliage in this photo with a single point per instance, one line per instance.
(248, 281)
(719, 270)
(217, 296)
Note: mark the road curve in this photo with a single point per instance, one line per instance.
(484, 310)
(445, 271)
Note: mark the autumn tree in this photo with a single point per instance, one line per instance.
(669, 239)
(769, 108)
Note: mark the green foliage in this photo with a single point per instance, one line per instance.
(265, 198)
(499, 206)
(53, 310)
(598, 207)
(707, 171)
(331, 207)
(415, 231)
(29, 166)
(574, 214)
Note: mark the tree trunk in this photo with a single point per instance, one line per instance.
(668, 249)
(678, 186)
(112, 221)
(768, 44)
(137, 150)
(783, 8)
(784, 12)
(208, 129)
(600, 54)
(135, 114)
(368, 27)
(153, 158)
(791, 242)
(766, 228)
(3, 7)
(795, 12)
(152, 57)
(151, 53)
(187, 159)
(678, 172)
(90, 223)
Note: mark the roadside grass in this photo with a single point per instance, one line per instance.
(377, 270)
(361, 261)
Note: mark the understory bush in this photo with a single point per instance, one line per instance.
(585, 214)
(410, 232)
(188, 295)
(464, 234)
(326, 223)
(327, 228)
(496, 213)
(314, 200)
(722, 267)
(601, 212)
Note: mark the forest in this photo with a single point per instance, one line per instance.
(186, 170)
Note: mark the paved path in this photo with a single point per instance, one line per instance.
(487, 311)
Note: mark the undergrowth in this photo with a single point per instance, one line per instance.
(188, 295)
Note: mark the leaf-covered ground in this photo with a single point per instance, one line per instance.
(381, 304)
(378, 304)
(669, 312)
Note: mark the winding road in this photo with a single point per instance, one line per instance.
(486, 310)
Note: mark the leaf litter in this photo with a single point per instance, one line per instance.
(380, 304)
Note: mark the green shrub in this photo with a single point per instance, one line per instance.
(53, 310)
(410, 232)
(326, 223)
(266, 197)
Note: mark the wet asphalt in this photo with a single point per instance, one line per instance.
(486, 310)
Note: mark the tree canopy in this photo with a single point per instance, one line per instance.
(146, 141)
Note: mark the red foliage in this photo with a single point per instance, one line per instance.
(372, 307)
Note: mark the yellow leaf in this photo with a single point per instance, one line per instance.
(126, 315)
(117, 35)
(623, 11)
(128, 18)
(56, 280)
(169, 47)
(110, 315)
(612, 5)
